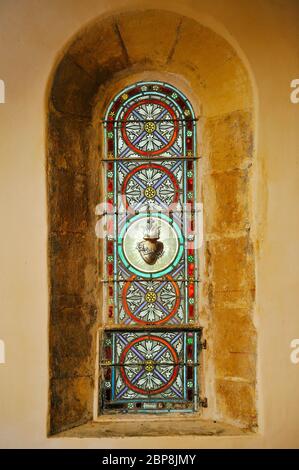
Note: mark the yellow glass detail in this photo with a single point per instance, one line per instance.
(150, 297)
(150, 192)
(149, 365)
(149, 127)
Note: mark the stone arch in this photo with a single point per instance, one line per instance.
(97, 62)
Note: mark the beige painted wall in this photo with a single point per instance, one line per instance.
(32, 32)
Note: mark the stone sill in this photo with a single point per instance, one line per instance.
(124, 426)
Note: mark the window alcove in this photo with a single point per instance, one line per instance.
(107, 56)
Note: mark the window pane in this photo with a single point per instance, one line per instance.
(151, 273)
(151, 185)
(150, 119)
(153, 370)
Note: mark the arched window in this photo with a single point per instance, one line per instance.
(100, 58)
(149, 354)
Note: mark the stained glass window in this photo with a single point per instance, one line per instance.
(149, 354)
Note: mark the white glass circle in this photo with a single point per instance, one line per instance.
(135, 234)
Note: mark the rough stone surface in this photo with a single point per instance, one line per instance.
(228, 141)
(213, 69)
(98, 49)
(73, 89)
(231, 298)
(71, 402)
(234, 330)
(153, 427)
(69, 199)
(231, 264)
(71, 341)
(226, 196)
(69, 142)
(237, 401)
(149, 38)
(231, 89)
(70, 263)
(195, 47)
(235, 365)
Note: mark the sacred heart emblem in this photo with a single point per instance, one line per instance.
(151, 248)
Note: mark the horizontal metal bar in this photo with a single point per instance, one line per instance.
(147, 329)
(121, 121)
(111, 407)
(130, 364)
(106, 281)
(153, 211)
(153, 159)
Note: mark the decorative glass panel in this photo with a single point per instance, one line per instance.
(151, 272)
(153, 370)
(150, 120)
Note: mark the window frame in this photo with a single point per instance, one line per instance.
(194, 326)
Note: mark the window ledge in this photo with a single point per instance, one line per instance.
(123, 426)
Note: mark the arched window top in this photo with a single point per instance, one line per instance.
(150, 119)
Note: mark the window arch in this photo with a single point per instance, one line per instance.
(80, 89)
(152, 337)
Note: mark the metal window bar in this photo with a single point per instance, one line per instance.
(121, 121)
(153, 211)
(142, 159)
(186, 281)
(146, 159)
(154, 363)
(147, 329)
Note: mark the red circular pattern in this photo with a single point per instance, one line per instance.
(144, 167)
(175, 127)
(175, 368)
(138, 320)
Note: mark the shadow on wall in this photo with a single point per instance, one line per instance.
(105, 52)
